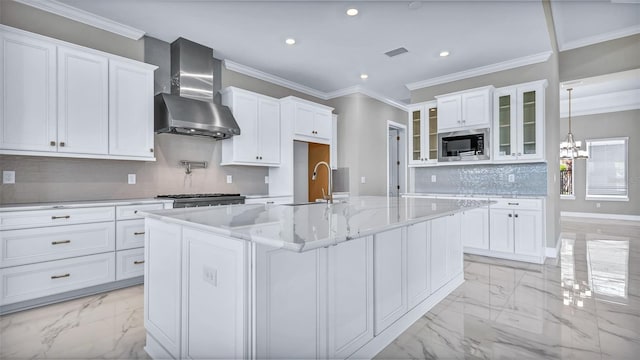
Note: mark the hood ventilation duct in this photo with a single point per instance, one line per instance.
(191, 108)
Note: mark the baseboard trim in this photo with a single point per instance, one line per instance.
(378, 343)
(554, 252)
(600, 216)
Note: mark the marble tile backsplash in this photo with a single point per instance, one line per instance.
(492, 179)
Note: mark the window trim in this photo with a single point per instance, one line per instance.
(626, 171)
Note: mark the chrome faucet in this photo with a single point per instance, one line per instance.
(330, 186)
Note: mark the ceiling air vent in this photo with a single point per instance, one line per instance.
(396, 52)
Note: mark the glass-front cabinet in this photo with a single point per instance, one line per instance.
(518, 126)
(423, 134)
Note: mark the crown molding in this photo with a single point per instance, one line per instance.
(601, 103)
(483, 70)
(259, 74)
(85, 17)
(570, 45)
(358, 89)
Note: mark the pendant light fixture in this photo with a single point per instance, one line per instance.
(569, 148)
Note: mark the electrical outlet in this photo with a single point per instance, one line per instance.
(363, 180)
(131, 179)
(210, 275)
(229, 179)
(266, 179)
(8, 177)
(512, 178)
(598, 205)
(434, 178)
(434, 207)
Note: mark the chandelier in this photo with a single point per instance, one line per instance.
(569, 148)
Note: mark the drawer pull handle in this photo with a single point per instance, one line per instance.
(514, 203)
(60, 242)
(60, 217)
(61, 276)
(138, 233)
(138, 262)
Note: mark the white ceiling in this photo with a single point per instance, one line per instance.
(333, 49)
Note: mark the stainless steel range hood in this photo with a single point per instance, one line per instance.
(190, 109)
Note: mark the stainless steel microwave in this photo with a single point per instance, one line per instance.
(464, 145)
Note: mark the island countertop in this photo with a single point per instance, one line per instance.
(305, 227)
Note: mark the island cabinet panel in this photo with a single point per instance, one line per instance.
(163, 283)
(287, 298)
(214, 293)
(418, 249)
(438, 255)
(455, 260)
(349, 296)
(390, 278)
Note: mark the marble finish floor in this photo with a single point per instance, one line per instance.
(585, 305)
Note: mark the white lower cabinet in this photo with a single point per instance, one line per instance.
(475, 228)
(214, 291)
(349, 296)
(130, 234)
(517, 229)
(418, 261)
(163, 285)
(446, 250)
(129, 263)
(20, 283)
(287, 296)
(390, 278)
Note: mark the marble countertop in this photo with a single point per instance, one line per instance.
(310, 226)
(479, 196)
(79, 204)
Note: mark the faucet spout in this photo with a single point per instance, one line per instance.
(330, 186)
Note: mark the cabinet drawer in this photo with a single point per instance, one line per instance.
(26, 246)
(52, 217)
(20, 283)
(130, 234)
(126, 212)
(517, 204)
(129, 263)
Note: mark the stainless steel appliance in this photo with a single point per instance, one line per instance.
(192, 108)
(464, 145)
(196, 200)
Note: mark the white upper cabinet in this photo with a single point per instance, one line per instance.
(83, 102)
(312, 122)
(64, 100)
(469, 109)
(28, 93)
(423, 134)
(259, 119)
(518, 124)
(130, 109)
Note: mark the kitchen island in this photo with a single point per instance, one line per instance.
(297, 281)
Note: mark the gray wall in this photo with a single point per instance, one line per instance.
(600, 126)
(362, 138)
(602, 58)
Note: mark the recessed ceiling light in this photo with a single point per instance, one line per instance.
(290, 41)
(444, 53)
(352, 12)
(364, 76)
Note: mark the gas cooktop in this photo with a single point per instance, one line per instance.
(197, 200)
(195, 196)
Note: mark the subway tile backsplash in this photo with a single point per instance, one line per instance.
(491, 179)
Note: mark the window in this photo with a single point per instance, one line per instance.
(566, 179)
(607, 169)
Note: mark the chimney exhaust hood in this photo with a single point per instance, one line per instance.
(190, 109)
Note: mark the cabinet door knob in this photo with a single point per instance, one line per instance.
(257, 157)
(260, 157)
(151, 150)
(62, 143)
(516, 215)
(510, 215)
(52, 143)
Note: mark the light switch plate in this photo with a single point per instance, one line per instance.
(363, 180)
(229, 179)
(131, 179)
(8, 177)
(512, 178)
(434, 178)
(210, 275)
(266, 179)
